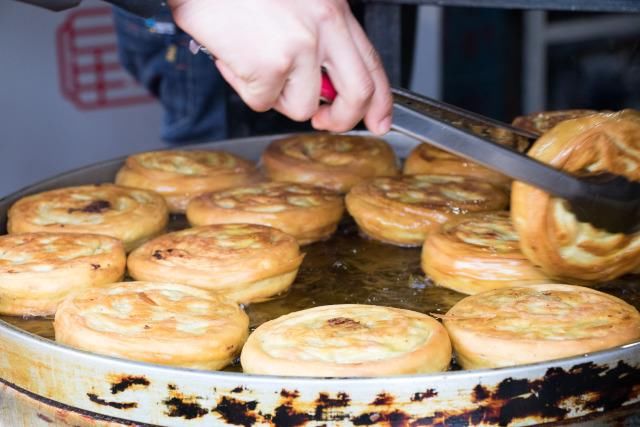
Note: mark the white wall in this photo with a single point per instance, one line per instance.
(426, 75)
(41, 132)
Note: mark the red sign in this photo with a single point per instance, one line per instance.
(90, 73)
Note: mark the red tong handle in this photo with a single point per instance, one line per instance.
(327, 91)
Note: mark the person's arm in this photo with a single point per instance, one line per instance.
(272, 51)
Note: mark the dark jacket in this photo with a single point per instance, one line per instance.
(144, 8)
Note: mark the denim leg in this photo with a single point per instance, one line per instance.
(189, 87)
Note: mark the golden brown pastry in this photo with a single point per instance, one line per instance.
(427, 159)
(534, 323)
(162, 323)
(246, 262)
(402, 210)
(306, 212)
(348, 340)
(544, 121)
(337, 162)
(478, 252)
(550, 234)
(37, 270)
(180, 175)
(128, 214)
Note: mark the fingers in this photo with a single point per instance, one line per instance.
(293, 92)
(360, 80)
(299, 97)
(260, 90)
(378, 116)
(350, 78)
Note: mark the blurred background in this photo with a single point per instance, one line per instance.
(66, 100)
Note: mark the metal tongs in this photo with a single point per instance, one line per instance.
(607, 201)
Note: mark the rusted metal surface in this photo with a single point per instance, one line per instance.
(157, 395)
(96, 389)
(20, 408)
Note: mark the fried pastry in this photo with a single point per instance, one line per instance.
(550, 234)
(128, 214)
(534, 323)
(38, 270)
(306, 212)
(478, 252)
(402, 210)
(161, 323)
(337, 162)
(245, 262)
(427, 159)
(180, 175)
(544, 121)
(348, 340)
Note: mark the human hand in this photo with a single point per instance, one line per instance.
(272, 51)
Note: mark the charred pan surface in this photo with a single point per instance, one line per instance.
(422, 395)
(328, 408)
(588, 386)
(118, 405)
(585, 387)
(237, 412)
(122, 383)
(290, 412)
(383, 399)
(183, 406)
(392, 418)
(32, 406)
(289, 394)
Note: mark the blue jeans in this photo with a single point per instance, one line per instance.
(190, 88)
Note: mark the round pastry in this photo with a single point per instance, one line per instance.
(348, 340)
(427, 159)
(37, 270)
(180, 175)
(337, 162)
(544, 121)
(306, 212)
(550, 234)
(534, 323)
(130, 215)
(162, 323)
(477, 252)
(402, 210)
(246, 262)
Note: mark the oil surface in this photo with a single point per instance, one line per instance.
(348, 268)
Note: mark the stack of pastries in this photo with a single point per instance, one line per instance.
(65, 255)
